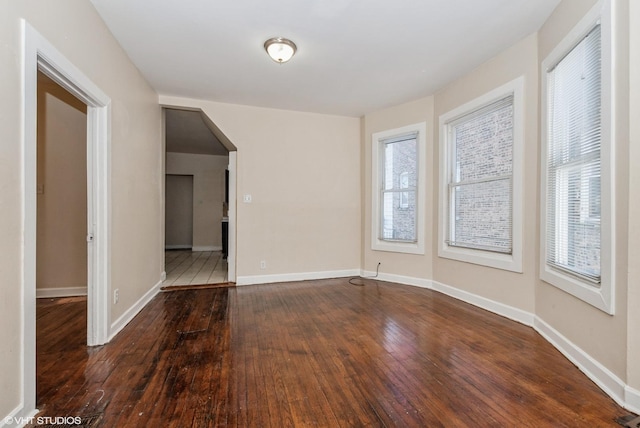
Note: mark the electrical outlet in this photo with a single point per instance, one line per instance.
(116, 295)
(263, 264)
(247, 199)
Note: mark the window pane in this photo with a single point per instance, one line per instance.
(481, 197)
(573, 163)
(400, 160)
(399, 189)
(484, 144)
(398, 222)
(483, 215)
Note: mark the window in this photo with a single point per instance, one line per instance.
(576, 228)
(398, 177)
(481, 144)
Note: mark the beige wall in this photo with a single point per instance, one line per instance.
(602, 336)
(62, 177)
(208, 194)
(303, 173)
(513, 289)
(76, 30)
(410, 265)
(633, 303)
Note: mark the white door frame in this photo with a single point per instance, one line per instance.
(39, 54)
(231, 246)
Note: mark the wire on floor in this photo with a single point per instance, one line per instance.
(362, 284)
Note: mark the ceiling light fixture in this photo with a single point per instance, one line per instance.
(280, 49)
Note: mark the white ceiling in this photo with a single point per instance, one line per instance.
(354, 56)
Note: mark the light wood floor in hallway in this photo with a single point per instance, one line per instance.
(186, 267)
(314, 353)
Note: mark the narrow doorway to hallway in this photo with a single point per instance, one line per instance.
(196, 202)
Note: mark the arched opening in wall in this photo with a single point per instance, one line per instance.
(199, 201)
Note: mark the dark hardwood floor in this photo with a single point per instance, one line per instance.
(317, 353)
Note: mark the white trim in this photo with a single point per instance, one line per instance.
(48, 293)
(602, 297)
(232, 213)
(612, 385)
(293, 277)
(399, 279)
(511, 262)
(17, 416)
(377, 139)
(38, 53)
(511, 312)
(632, 399)
(177, 247)
(130, 313)
(207, 248)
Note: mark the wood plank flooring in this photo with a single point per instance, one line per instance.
(316, 353)
(186, 267)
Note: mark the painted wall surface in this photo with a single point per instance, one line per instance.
(76, 30)
(178, 220)
(62, 178)
(633, 302)
(602, 336)
(302, 171)
(411, 265)
(208, 195)
(511, 288)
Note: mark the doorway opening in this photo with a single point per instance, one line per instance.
(61, 239)
(196, 202)
(41, 56)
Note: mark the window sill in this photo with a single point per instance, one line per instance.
(508, 262)
(595, 296)
(398, 247)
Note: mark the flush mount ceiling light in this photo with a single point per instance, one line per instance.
(280, 49)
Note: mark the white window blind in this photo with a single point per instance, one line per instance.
(573, 161)
(480, 186)
(399, 188)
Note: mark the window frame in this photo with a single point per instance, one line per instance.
(378, 140)
(601, 297)
(510, 262)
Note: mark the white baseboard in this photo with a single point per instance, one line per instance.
(130, 313)
(400, 279)
(177, 247)
(206, 248)
(163, 275)
(501, 309)
(498, 308)
(291, 277)
(19, 417)
(599, 374)
(632, 399)
(49, 293)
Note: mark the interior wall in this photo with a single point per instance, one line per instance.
(62, 189)
(208, 195)
(302, 171)
(511, 288)
(75, 29)
(408, 265)
(633, 301)
(178, 211)
(602, 336)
